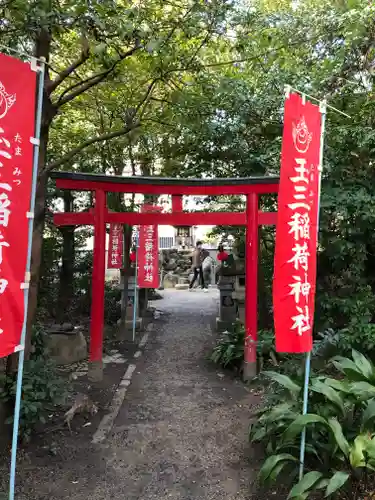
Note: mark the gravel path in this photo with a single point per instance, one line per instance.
(181, 433)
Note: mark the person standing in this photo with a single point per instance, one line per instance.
(198, 257)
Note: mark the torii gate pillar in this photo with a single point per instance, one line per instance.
(95, 372)
(251, 284)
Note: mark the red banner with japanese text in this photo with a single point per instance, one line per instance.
(296, 231)
(115, 246)
(148, 256)
(17, 121)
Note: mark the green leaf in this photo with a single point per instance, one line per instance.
(329, 393)
(339, 385)
(336, 482)
(368, 414)
(306, 483)
(348, 367)
(284, 381)
(258, 435)
(321, 484)
(272, 462)
(362, 390)
(276, 471)
(284, 411)
(363, 364)
(341, 441)
(300, 423)
(356, 455)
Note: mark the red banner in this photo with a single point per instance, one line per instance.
(116, 246)
(17, 119)
(296, 231)
(148, 253)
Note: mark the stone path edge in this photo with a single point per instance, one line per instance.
(106, 424)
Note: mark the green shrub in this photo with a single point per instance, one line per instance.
(229, 349)
(42, 386)
(42, 389)
(38, 349)
(266, 350)
(340, 447)
(112, 303)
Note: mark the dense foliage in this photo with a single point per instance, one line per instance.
(43, 388)
(195, 88)
(340, 451)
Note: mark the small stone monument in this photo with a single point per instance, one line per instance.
(227, 303)
(239, 296)
(66, 344)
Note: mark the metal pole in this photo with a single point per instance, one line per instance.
(21, 359)
(135, 287)
(304, 411)
(323, 110)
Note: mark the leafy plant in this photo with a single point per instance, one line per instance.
(326, 344)
(339, 428)
(112, 303)
(285, 407)
(266, 349)
(229, 350)
(38, 341)
(42, 387)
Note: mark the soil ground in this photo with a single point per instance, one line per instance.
(181, 432)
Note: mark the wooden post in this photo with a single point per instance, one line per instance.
(98, 283)
(251, 284)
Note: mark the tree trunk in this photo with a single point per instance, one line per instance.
(36, 254)
(42, 49)
(66, 288)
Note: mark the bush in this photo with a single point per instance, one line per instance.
(38, 349)
(112, 304)
(42, 387)
(229, 349)
(340, 447)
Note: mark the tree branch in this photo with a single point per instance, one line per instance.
(100, 138)
(110, 135)
(80, 87)
(85, 54)
(146, 98)
(188, 67)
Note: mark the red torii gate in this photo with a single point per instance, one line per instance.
(100, 184)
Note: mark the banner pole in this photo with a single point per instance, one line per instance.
(135, 287)
(304, 411)
(21, 359)
(323, 111)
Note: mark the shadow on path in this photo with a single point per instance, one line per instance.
(182, 433)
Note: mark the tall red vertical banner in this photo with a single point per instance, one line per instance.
(116, 246)
(17, 121)
(296, 231)
(148, 253)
